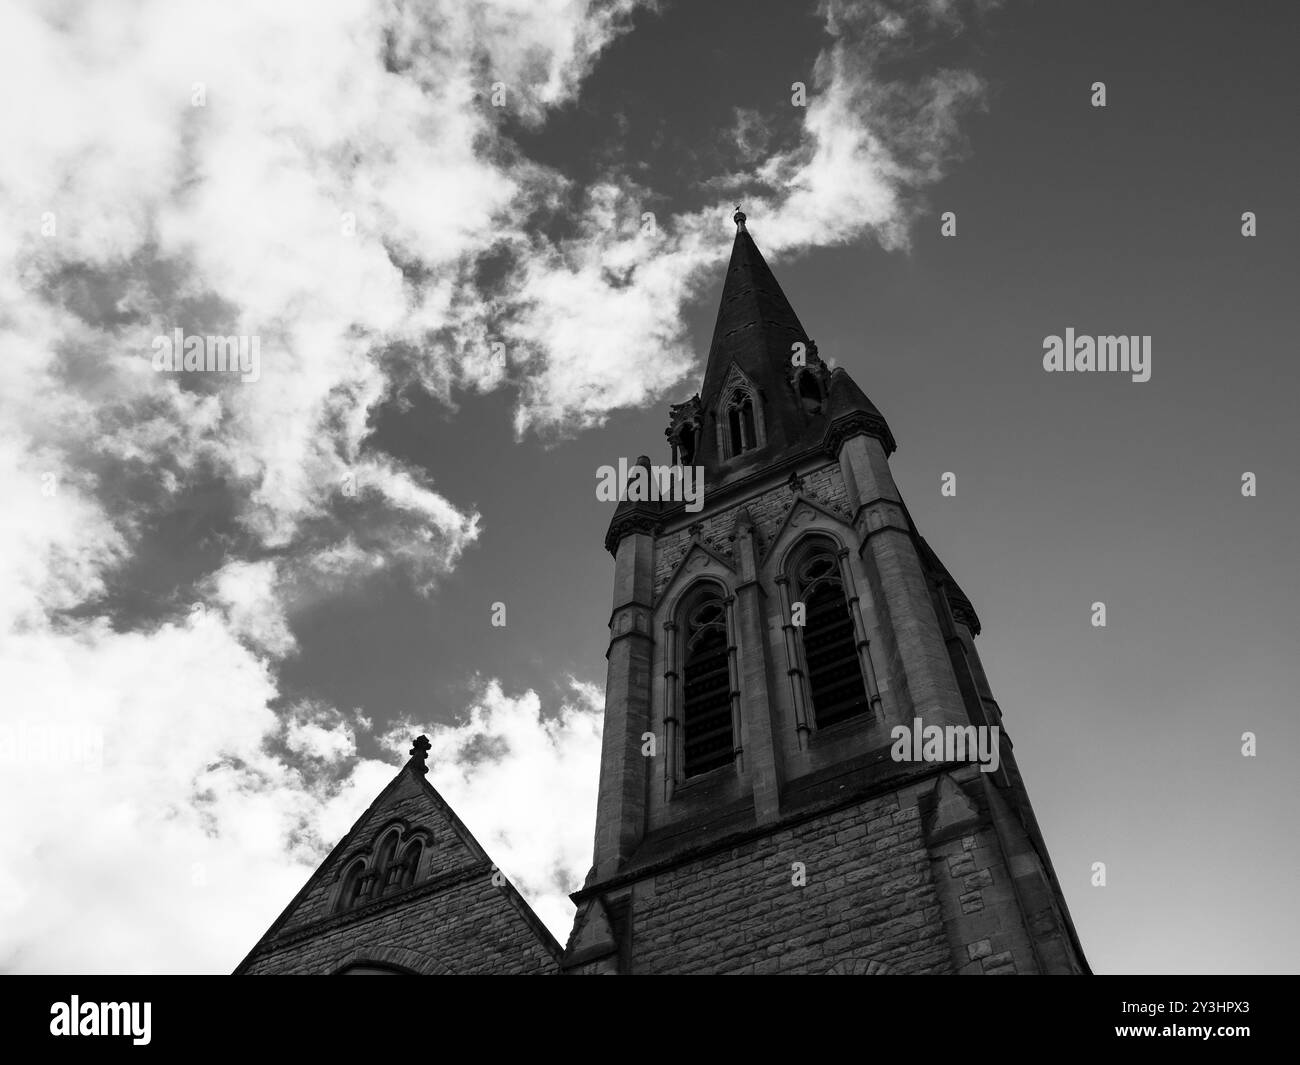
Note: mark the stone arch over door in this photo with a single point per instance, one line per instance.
(859, 967)
(392, 958)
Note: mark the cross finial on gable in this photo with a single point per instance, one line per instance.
(420, 753)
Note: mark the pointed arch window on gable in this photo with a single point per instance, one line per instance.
(410, 864)
(708, 740)
(836, 687)
(391, 865)
(386, 869)
(741, 427)
(355, 882)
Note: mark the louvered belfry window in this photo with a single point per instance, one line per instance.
(835, 683)
(706, 711)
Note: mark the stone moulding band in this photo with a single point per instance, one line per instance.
(385, 902)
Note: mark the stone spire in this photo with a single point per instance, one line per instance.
(756, 334)
(755, 330)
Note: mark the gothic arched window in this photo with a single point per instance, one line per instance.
(386, 871)
(392, 864)
(707, 738)
(353, 885)
(740, 424)
(835, 684)
(410, 866)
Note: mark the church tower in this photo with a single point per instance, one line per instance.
(758, 812)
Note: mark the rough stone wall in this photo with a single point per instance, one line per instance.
(869, 900)
(971, 871)
(768, 509)
(971, 876)
(472, 927)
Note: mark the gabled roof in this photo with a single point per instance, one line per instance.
(408, 798)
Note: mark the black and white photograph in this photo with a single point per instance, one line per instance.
(648, 488)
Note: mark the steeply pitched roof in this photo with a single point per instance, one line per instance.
(755, 331)
(456, 862)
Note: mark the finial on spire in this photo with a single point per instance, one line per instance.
(739, 219)
(420, 754)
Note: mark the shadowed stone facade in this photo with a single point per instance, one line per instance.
(796, 843)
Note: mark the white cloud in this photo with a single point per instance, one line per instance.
(165, 815)
(248, 593)
(321, 733)
(143, 755)
(600, 342)
(175, 836)
(870, 140)
(526, 786)
(598, 318)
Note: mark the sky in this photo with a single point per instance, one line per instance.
(481, 245)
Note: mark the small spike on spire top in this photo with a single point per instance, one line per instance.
(739, 219)
(420, 754)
